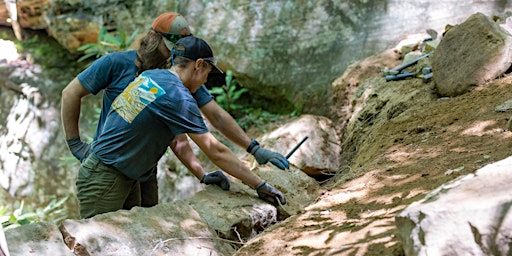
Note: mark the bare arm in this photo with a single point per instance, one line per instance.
(222, 157)
(225, 124)
(183, 151)
(70, 108)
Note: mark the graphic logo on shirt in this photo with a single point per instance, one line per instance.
(139, 93)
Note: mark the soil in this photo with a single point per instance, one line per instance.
(397, 151)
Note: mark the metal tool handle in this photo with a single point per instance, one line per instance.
(296, 147)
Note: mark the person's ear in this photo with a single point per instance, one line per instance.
(199, 63)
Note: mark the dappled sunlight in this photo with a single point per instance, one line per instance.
(487, 127)
(339, 232)
(407, 154)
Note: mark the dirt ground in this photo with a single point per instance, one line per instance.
(411, 146)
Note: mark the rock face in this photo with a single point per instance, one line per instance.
(289, 50)
(486, 53)
(469, 216)
(31, 13)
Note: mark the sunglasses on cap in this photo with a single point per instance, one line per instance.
(211, 60)
(173, 37)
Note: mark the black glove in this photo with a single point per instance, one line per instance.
(78, 148)
(269, 193)
(218, 178)
(264, 156)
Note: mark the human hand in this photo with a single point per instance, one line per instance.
(264, 156)
(78, 148)
(218, 178)
(270, 194)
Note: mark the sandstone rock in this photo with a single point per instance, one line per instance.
(208, 223)
(235, 217)
(318, 155)
(165, 229)
(468, 216)
(36, 239)
(470, 54)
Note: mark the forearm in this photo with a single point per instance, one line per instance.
(225, 124)
(70, 108)
(224, 158)
(181, 148)
(231, 130)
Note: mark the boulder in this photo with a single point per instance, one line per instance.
(36, 239)
(165, 229)
(318, 156)
(468, 216)
(470, 54)
(208, 223)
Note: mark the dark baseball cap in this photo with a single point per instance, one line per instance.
(194, 48)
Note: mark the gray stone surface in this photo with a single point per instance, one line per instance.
(166, 229)
(320, 152)
(36, 239)
(470, 54)
(468, 216)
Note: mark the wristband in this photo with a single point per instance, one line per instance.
(262, 183)
(253, 144)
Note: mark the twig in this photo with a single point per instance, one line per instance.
(197, 237)
(238, 235)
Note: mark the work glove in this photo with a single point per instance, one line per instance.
(270, 194)
(218, 178)
(78, 148)
(264, 156)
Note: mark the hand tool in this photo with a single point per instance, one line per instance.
(296, 147)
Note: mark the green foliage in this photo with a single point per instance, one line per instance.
(228, 97)
(107, 43)
(228, 94)
(256, 118)
(51, 213)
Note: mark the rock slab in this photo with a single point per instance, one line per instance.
(469, 216)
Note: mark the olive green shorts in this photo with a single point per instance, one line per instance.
(101, 189)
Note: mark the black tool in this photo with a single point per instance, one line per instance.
(425, 75)
(398, 69)
(296, 147)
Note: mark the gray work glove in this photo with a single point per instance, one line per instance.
(264, 156)
(270, 194)
(78, 148)
(218, 178)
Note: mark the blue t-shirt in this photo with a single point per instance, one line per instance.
(112, 73)
(143, 120)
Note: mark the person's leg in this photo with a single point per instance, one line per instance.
(149, 191)
(101, 189)
(133, 199)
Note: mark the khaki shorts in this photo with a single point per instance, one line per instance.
(101, 189)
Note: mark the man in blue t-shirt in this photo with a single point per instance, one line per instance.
(150, 112)
(113, 72)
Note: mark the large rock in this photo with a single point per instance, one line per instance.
(205, 224)
(471, 54)
(31, 13)
(469, 216)
(36, 239)
(288, 50)
(166, 229)
(234, 217)
(319, 155)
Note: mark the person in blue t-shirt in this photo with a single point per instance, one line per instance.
(113, 72)
(149, 113)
